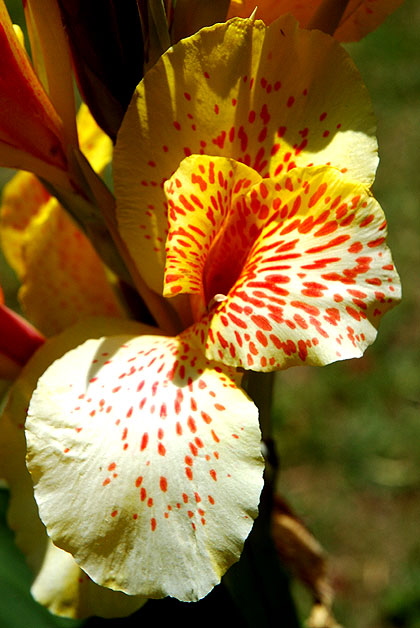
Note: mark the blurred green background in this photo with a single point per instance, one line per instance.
(348, 435)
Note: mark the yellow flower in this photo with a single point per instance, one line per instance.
(244, 194)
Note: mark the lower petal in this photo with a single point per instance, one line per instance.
(59, 583)
(146, 462)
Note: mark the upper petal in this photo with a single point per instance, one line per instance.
(146, 462)
(270, 97)
(292, 269)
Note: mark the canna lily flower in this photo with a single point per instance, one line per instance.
(243, 198)
(356, 18)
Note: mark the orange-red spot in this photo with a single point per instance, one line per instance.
(144, 441)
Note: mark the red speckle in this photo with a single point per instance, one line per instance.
(213, 474)
(144, 441)
(191, 424)
(114, 513)
(206, 418)
(161, 449)
(153, 524)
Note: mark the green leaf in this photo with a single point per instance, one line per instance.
(17, 607)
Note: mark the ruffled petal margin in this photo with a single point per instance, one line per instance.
(287, 270)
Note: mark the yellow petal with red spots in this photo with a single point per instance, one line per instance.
(360, 17)
(23, 196)
(291, 270)
(271, 97)
(59, 584)
(64, 279)
(146, 462)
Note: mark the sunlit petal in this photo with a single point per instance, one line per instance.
(220, 93)
(291, 270)
(94, 143)
(59, 583)
(146, 464)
